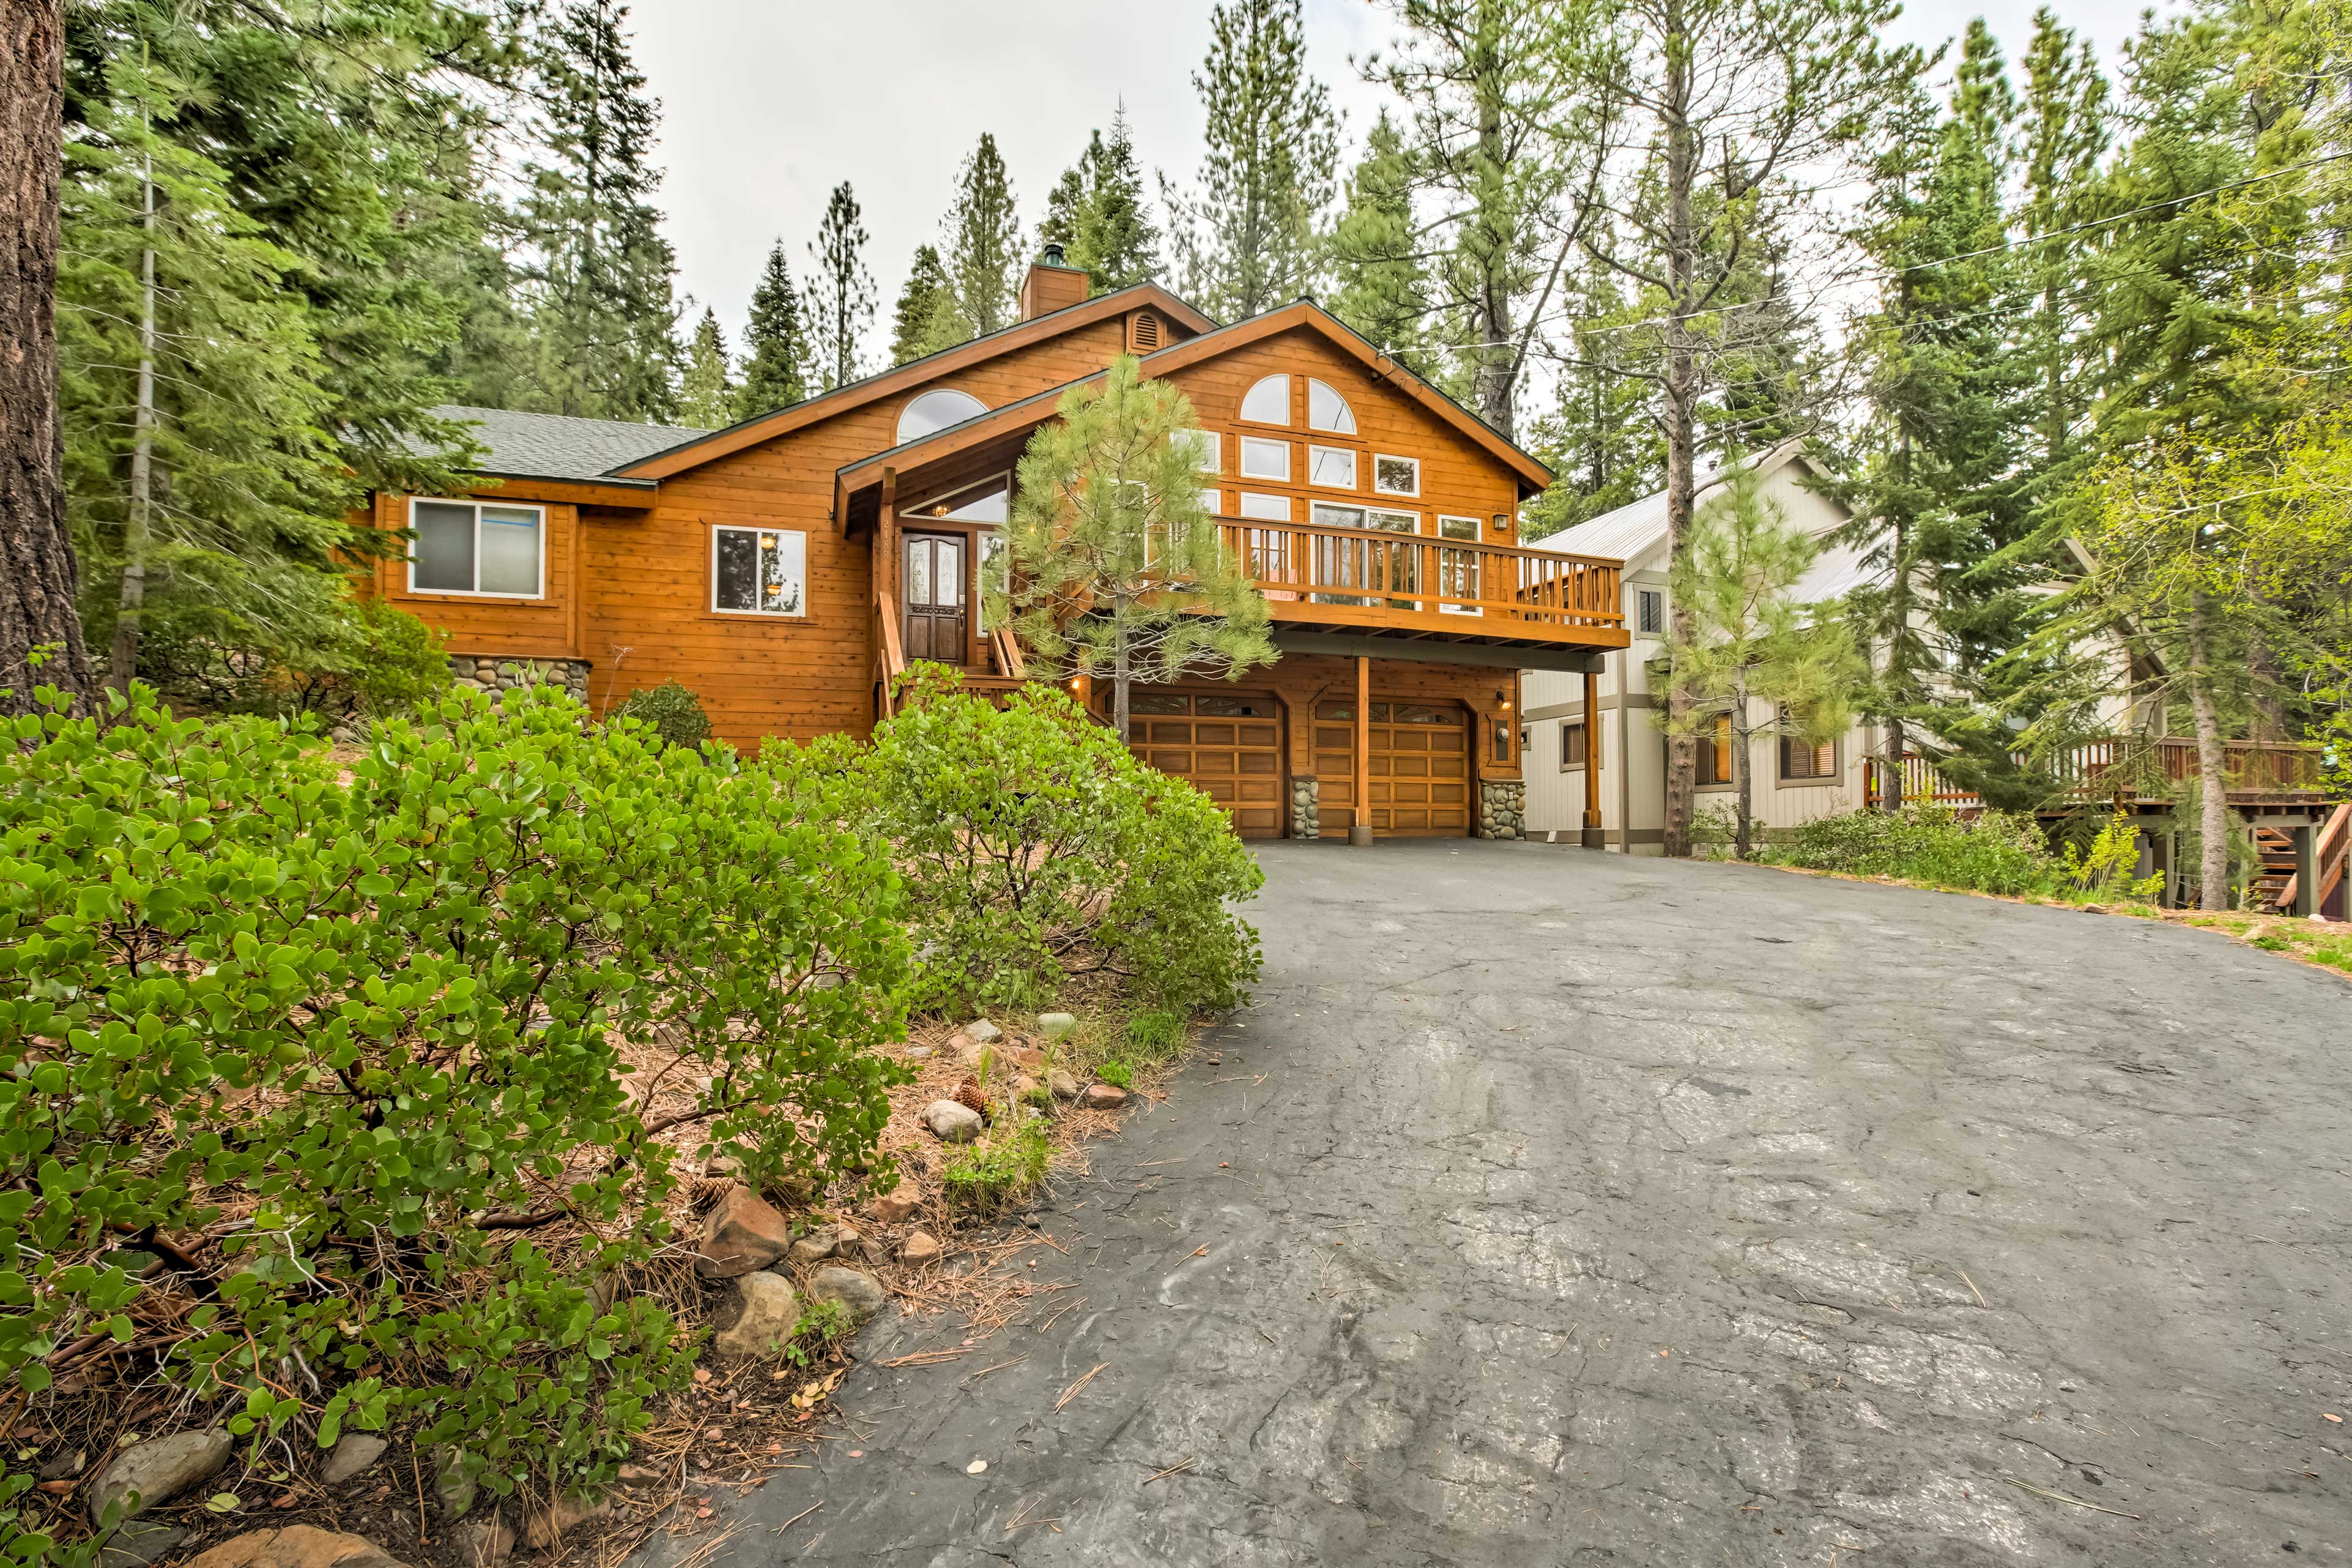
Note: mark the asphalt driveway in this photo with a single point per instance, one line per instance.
(1550, 1207)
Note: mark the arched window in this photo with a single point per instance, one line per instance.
(1327, 410)
(936, 411)
(1268, 402)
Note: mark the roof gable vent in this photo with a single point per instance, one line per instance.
(1147, 331)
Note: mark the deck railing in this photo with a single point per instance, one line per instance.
(1416, 574)
(2137, 767)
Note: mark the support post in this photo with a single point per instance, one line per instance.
(1361, 827)
(1591, 837)
(2306, 871)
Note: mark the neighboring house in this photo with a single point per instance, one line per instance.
(787, 568)
(1794, 782)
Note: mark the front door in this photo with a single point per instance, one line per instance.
(933, 581)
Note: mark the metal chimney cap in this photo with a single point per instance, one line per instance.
(1053, 256)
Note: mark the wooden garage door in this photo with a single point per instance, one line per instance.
(1421, 769)
(1230, 745)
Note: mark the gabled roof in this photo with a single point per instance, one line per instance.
(560, 445)
(716, 443)
(1639, 527)
(1035, 408)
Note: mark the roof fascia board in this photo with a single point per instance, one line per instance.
(857, 394)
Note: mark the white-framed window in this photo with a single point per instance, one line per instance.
(758, 571)
(936, 410)
(985, 500)
(1649, 607)
(1333, 468)
(1392, 521)
(476, 547)
(1207, 447)
(1269, 403)
(1327, 410)
(1213, 502)
(1264, 459)
(1396, 476)
(1266, 509)
(1457, 570)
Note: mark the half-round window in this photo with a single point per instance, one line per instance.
(1327, 410)
(1269, 403)
(936, 411)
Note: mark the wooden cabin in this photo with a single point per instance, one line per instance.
(786, 568)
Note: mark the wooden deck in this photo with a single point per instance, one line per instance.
(1413, 587)
(2139, 771)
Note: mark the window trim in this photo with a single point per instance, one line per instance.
(1380, 458)
(1215, 440)
(1289, 393)
(1244, 513)
(711, 599)
(1642, 599)
(1242, 459)
(1831, 779)
(1579, 726)
(478, 504)
(1346, 408)
(898, 437)
(1731, 773)
(1355, 468)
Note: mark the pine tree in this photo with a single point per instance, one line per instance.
(929, 317)
(776, 343)
(983, 229)
(600, 277)
(840, 300)
(1114, 239)
(1380, 274)
(1059, 226)
(2062, 131)
(1602, 436)
(707, 390)
(1247, 240)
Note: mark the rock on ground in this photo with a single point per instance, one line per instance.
(159, 1469)
(139, 1542)
(355, 1452)
(952, 1121)
(1105, 1096)
(981, 1030)
(853, 1288)
(743, 1233)
(767, 1308)
(296, 1546)
(484, 1542)
(1064, 1086)
(920, 1247)
(1054, 1025)
(894, 1208)
(543, 1526)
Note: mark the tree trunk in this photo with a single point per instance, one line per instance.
(2212, 771)
(1898, 620)
(1679, 389)
(122, 658)
(37, 574)
(1498, 377)
(1122, 671)
(1743, 758)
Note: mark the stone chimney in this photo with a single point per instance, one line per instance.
(1053, 284)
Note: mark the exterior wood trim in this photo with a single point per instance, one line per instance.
(570, 492)
(857, 394)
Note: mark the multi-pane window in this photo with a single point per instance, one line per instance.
(472, 547)
(1206, 447)
(1333, 468)
(1651, 606)
(759, 571)
(1264, 459)
(1396, 476)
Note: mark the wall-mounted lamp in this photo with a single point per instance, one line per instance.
(1503, 700)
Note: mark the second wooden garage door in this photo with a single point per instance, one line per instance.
(1228, 745)
(1421, 769)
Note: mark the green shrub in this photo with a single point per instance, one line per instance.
(1116, 1073)
(1997, 852)
(378, 1020)
(1156, 1036)
(823, 1325)
(1036, 846)
(670, 710)
(355, 659)
(1001, 1168)
(2107, 868)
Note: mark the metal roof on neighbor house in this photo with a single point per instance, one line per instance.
(1640, 526)
(560, 447)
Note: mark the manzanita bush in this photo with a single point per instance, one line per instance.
(296, 1072)
(1035, 845)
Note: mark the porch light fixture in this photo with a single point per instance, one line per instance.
(1503, 700)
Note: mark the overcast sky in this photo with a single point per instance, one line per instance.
(766, 106)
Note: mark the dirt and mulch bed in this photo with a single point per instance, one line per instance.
(742, 1419)
(2321, 943)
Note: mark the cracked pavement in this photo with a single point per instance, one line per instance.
(1553, 1207)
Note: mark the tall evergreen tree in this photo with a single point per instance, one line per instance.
(929, 318)
(983, 229)
(1114, 237)
(601, 276)
(706, 390)
(1602, 436)
(776, 350)
(2062, 129)
(1382, 285)
(1248, 240)
(840, 299)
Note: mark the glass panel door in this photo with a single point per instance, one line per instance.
(934, 611)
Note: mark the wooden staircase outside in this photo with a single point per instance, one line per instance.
(2277, 884)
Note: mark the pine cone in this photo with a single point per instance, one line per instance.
(968, 1094)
